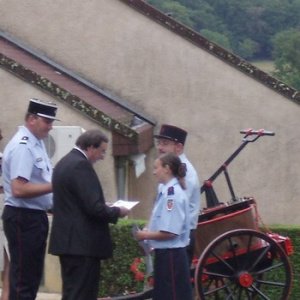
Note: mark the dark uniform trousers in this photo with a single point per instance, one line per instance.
(190, 248)
(171, 275)
(26, 231)
(80, 276)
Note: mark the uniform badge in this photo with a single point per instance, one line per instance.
(24, 140)
(171, 190)
(170, 204)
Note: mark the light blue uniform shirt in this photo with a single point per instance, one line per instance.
(25, 156)
(192, 190)
(171, 214)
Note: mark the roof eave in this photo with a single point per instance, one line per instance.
(133, 141)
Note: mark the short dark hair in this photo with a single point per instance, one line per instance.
(92, 137)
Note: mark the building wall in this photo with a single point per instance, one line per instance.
(175, 82)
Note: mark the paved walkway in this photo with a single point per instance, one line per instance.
(47, 296)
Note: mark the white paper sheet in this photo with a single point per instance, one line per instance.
(127, 204)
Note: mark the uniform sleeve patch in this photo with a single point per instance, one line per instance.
(171, 190)
(170, 204)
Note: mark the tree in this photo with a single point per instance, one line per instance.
(286, 54)
(217, 38)
(247, 48)
(248, 25)
(175, 10)
(178, 12)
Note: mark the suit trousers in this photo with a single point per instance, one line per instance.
(26, 231)
(80, 277)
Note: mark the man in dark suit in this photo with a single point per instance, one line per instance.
(80, 230)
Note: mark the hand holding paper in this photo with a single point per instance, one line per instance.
(146, 250)
(124, 203)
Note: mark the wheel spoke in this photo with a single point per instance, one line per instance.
(214, 274)
(233, 249)
(248, 252)
(230, 296)
(273, 283)
(259, 258)
(248, 293)
(217, 288)
(268, 269)
(220, 259)
(214, 290)
(260, 293)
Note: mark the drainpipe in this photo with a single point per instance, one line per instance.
(121, 166)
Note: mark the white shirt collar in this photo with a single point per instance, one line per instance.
(80, 150)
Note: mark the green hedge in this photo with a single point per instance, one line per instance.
(293, 232)
(117, 277)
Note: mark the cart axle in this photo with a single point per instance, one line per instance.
(245, 279)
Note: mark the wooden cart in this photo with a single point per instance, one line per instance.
(235, 257)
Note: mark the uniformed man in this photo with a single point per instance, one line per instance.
(172, 139)
(27, 186)
(3, 249)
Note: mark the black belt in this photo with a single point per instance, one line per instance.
(165, 249)
(24, 209)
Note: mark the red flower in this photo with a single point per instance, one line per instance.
(137, 268)
(139, 276)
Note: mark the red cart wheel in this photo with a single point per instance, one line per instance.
(243, 265)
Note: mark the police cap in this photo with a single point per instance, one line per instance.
(42, 109)
(172, 133)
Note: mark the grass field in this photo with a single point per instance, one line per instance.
(265, 65)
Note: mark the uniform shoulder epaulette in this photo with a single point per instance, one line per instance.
(171, 190)
(24, 140)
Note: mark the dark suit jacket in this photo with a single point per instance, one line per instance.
(80, 216)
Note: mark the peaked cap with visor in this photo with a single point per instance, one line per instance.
(42, 109)
(173, 133)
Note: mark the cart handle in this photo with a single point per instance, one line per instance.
(258, 133)
(250, 137)
(247, 132)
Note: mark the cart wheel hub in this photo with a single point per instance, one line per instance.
(245, 279)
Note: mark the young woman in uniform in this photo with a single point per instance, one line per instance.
(168, 232)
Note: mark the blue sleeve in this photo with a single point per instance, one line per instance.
(21, 162)
(172, 215)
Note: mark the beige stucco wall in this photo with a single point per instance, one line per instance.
(173, 81)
